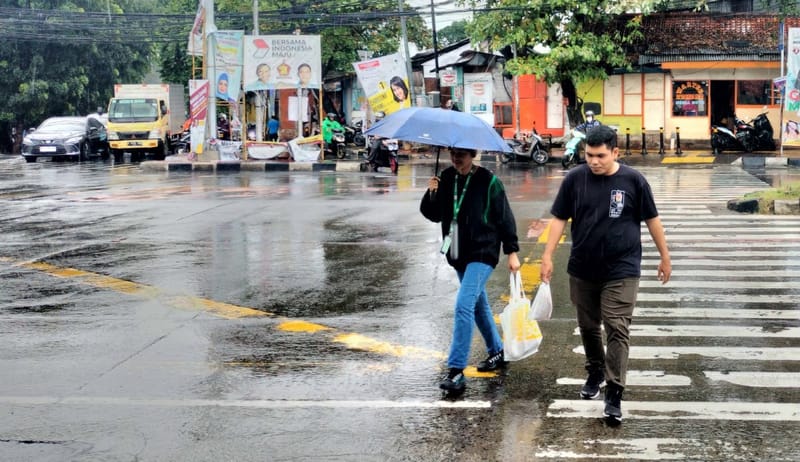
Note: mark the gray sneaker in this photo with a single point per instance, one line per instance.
(454, 381)
(591, 389)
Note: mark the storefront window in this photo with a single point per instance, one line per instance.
(690, 98)
(754, 92)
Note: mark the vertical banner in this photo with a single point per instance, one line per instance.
(385, 83)
(199, 95)
(790, 132)
(196, 34)
(228, 64)
(478, 96)
(282, 61)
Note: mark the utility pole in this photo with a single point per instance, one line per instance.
(436, 53)
(405, 49)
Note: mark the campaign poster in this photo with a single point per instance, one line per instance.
(195, 47)
(478, 95)
(385, 82)
(199, 95)
(227, 58)
(791, 110)
(282, 61)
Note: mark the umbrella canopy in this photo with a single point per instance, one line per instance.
(440, 127)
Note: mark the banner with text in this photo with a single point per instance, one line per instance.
(478, 95)
(791, 112)
(227, 51)
(199, 96)
(282, 61)
(385, 82)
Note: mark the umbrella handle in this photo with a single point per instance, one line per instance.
(436, 168)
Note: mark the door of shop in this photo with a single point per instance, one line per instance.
(722, 103)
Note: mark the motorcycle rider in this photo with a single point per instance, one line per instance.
(377, 155)
(329, 125)
(590, 122)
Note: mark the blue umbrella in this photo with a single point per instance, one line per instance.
(440, 127)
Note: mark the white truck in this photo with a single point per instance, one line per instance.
(145, 119)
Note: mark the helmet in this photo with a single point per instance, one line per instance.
(223, 117)
(331, 115)
(589, 113)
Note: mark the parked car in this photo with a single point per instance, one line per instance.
(77, 138)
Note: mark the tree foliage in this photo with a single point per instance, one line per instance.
(453, 33)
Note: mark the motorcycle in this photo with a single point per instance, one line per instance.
(749, 136)
(529, 147)
(337, 145)
(184, 144)
(251, 132)
(382, 153)
(571, 149)
(354, 134)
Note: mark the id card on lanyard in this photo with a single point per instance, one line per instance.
(450, 243)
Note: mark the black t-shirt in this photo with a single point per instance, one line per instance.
(606, 213)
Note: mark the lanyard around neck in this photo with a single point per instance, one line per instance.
(456, 199)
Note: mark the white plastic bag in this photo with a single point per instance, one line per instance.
(542, 304)
(521, 336)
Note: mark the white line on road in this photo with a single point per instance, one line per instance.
(715, 313)
(781, 256)
(721, 273)
(624, 449)
(716, 298)
(733, 353)
(683, 330)
(721, 284)
(255, 403)
(757, 379)
(680, 410)
(641, 379)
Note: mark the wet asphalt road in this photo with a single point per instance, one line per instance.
(306, 316)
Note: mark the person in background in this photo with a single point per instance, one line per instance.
(451, 105)
(589, 123)
(606, 202)
(476, 220)
(272, 128)
(328, 126)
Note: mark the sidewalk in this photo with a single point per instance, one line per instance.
(752, 160)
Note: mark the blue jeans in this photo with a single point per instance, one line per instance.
(472, 307)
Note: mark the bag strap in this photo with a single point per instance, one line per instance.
(515, 286)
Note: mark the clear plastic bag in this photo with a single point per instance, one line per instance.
(542, 304)
(521, 335)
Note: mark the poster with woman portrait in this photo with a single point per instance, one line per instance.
(385, 83)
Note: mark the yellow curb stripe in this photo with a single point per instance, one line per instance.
(301, 326)
(364, 343)
(688, 160)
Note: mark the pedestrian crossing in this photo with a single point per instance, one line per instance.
(719, 343)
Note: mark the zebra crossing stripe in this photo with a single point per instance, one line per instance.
(715, 313)
(680, 410)
(731, 353)
(737, 273)
(640, 379)
(696, 298)
(662, 330)
(718, 284)
(756, 379)
(780, 256)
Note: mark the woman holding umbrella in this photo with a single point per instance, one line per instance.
(475, 219)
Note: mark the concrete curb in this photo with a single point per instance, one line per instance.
(159, 166)
(767, 162)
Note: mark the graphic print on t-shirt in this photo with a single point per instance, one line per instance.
(617, 203)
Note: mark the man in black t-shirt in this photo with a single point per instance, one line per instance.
(606, 202)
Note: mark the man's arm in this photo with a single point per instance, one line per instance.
(657, 233)
(557, 226)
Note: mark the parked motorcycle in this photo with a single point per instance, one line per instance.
(183, 145)
(527, 147)
(382, 153)
(354, 134)
(749, 136)
(571, 149)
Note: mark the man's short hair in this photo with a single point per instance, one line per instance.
(602, 135)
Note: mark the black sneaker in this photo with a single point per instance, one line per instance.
(453, 381)
(591, 389)
(493, 362)
(613, 409)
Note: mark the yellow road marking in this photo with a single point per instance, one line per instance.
(301, 326)
(688, 160)
(364, 343)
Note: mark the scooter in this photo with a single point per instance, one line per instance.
(382, 153)
(571, 149)
(337, 145)
(528, 147)
(354, 134)
(754, 135)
